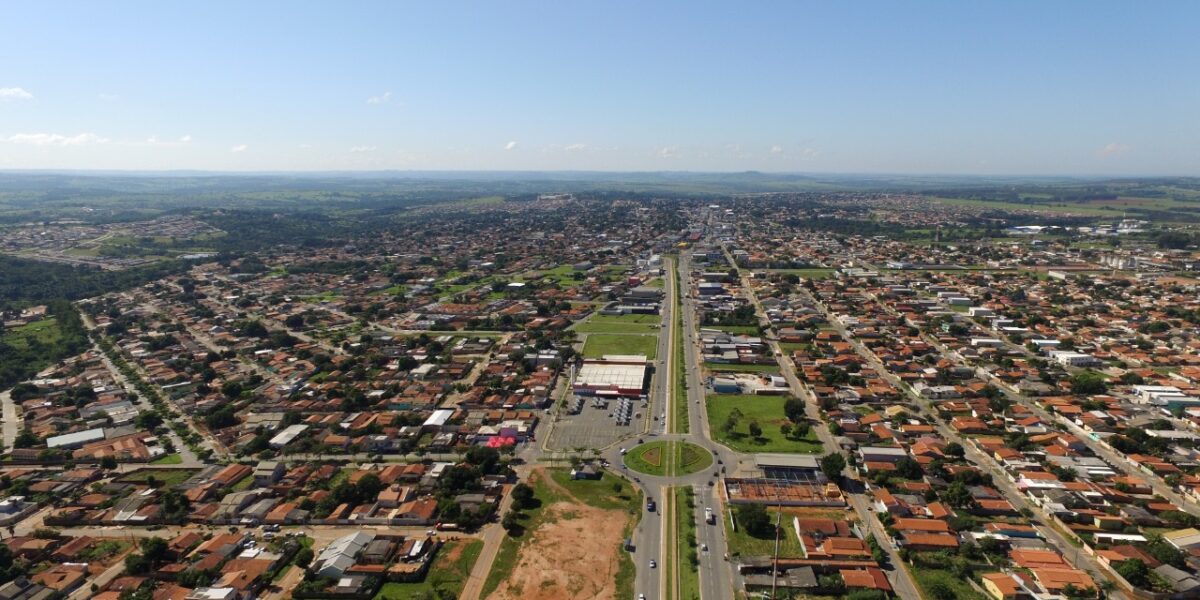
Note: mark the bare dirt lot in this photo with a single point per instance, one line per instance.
(573, 554)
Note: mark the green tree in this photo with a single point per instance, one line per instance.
(832, 466)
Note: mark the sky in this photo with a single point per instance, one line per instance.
(1022, 88)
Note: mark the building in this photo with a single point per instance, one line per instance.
(288, 435)
(341, 554)
(613, 375)
(790, 467)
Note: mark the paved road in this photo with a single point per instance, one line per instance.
(901, 580)
(986, 462)
(12, 423)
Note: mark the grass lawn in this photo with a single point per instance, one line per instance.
(768, 411)
(734, 329)
(620, 324)
(598, 345)
(928, 579)
(738, 368)
(44, 331)
(668, 458)
(168, 459)
(808, 273)
(742, 543)
(164, 477)
(686, 545)
(657, 282)
(448, 572)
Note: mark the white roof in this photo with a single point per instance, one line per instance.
(439, 417)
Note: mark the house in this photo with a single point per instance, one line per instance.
(267, 473)
(1001, 586)
(341, 554)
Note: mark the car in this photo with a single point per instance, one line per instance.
(710, 483)
(623, 451)
(641, 597)
(704, 547)
(653, 564)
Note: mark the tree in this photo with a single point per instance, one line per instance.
(304, 556)
(1134, 571)
(957, 495)
(522, 496)
(511, 522)
(793, 408)
(1088, 383)
(755, 429)
(755, 520)
(832, 466)
(955, 449)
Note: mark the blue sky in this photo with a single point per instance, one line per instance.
(1099, 88)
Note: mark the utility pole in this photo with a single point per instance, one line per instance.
(775, 560)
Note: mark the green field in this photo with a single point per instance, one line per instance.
(668, 458)
(168, 459)
(597, 345)
(620, 324)
(744, 544)
(806, 273)
(931, 579)
(447, 574)
(734, 329)
(739, 368)
(44, 332)
(164, 477)
(768, 412)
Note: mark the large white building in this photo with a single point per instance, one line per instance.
(613, 375)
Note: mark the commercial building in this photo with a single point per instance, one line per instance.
(613, 375)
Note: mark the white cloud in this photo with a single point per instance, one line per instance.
(108, 97)
(510, 145)
(1113, 149)
(776, 149)
(14, 93)
(668, 152)
(154, 140)
(239, 148)
(56, 139)
(575, 147)
(360, 149)
(384, 99)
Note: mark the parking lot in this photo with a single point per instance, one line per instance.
(596, 424)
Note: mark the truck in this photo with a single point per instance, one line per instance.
(709, 517)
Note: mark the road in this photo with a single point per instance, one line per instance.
(11, 420)
(986, 462)
(898, 576)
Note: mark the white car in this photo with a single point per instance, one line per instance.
(653, 564)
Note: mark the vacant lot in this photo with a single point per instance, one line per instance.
(767, 411)
(562, 553)
(160, 477)
(620, 324)
(598, 345)
(44, 332)
(447, 574)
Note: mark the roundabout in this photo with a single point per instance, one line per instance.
(668, 458)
